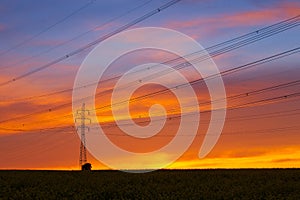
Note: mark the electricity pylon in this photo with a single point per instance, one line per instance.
(81, 113)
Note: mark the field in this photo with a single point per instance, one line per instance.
(163, 184)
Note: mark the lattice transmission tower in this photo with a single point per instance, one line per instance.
(82, 113)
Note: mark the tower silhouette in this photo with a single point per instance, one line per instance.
(81, 113)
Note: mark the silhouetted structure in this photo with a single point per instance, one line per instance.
(82, 117)
(86, 167)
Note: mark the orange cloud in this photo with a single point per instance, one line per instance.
(247, 18)
(263, 16)
(272, 157)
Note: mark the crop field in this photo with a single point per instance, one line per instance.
(162, 184)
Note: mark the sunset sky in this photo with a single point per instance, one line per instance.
(36, 124)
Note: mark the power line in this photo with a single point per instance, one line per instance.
(35, 130)
(241, 106)
(112, 125)
(247, 39)
(224, 73)
(258, 131)
(233, 44)
(247, 94)
(78, 36)
(236, 69)
(268, 115)
(118, 30)
(48, 28)
(243, 118)
(273, 99)
(54, 144)
(250, 93)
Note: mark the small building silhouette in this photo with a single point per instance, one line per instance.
(86, 167)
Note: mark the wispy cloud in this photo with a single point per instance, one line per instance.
(2, 27)
(211, 25)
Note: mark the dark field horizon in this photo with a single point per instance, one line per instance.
(161, 184)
